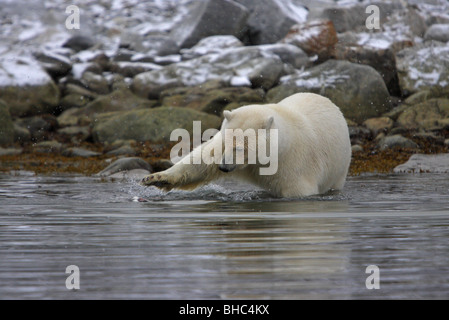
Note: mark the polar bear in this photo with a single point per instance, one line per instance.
(312, 149)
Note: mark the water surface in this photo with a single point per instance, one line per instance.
(226, 241)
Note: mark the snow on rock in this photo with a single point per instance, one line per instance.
(25, 86)
(438, 32)
(210, 17)
(212, 44)
(423, 66)
(358, 90)
(270, 20)
(261, 66)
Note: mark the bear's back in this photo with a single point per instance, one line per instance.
(308, 104)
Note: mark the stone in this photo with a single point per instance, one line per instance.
(423, 67)
(396, 141)
(207, 18)
(154, 125)
(316, 37)
(39, 127)
(70, 89)
(79, 43)
(152, 45)
(437, 32)
(358, 90)
(55, 64)
(95, 82)
(126, 164)
(212, 44)
(123, 150)
(425, 163)
(25, 87)
(131, 69)
(352, 16)
(381, 59)
(51, 146)
(211, 101)
(119, 100)
(21, 134)
(79, 152)
(432, 114)
(377, 125)
(270, 20)
(72, 101)
(6, 125)
(356, 148)
(10, 151)
(288, 53)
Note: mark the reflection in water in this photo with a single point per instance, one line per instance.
(222, 241)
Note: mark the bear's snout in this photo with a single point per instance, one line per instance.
(226, 167)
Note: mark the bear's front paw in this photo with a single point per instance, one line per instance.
(158, 180)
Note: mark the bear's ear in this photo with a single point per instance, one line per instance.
(227, 115)
(268, 123)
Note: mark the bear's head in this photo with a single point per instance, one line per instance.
(248, 134)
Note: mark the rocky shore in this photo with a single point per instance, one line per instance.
(78, 100)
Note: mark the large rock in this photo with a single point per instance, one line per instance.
(425, 163)
(212, 101)
(351, 16)
(423, 67)
(210, 17)
(438, 32)
(154, 125)
(377, 50)
(428, 115)
(396, 141)
(25, 87)
(6, 125)
(270, 20)
(56, 64)
(119, 100)
(358, 90)
(247, 66)
(316, 37)
(39, 127)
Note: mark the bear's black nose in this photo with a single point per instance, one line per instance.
(226, 167)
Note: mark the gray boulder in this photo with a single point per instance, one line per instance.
(270, 20)
(425, 163)
(423, 67)
(358, 90)
(351, 16)
(396, 141)
(57, 65)
(432, 114)
(210, 17)
(79, 152)
(25, 87)
(438, 32)
(119, 100)
(154, 125)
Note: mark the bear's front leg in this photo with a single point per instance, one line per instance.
(189, 174)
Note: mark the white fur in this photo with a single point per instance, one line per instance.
(314, 149)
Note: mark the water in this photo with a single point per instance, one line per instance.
(226, 241)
